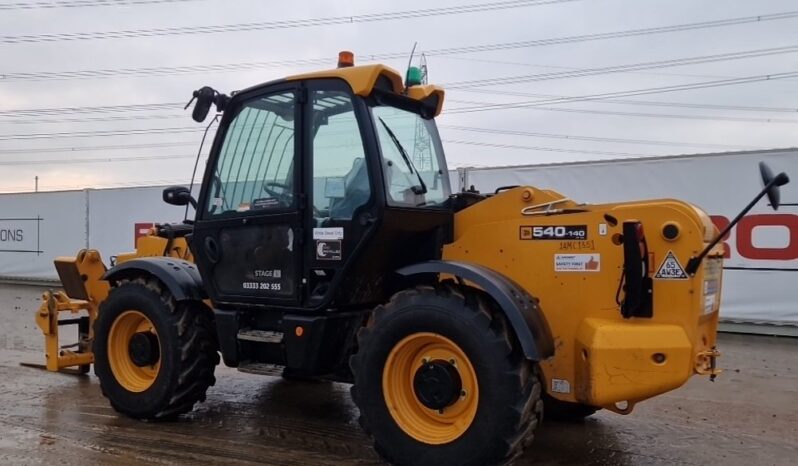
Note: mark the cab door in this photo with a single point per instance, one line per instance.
(342, 211)
(248, 230)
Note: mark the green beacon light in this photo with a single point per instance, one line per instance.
(413, 77)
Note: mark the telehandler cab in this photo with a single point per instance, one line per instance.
(327, 243)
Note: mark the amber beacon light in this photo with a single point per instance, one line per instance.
(345, 59)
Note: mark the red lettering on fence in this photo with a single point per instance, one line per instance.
(745, 230)
(141, 229)
(722, 222)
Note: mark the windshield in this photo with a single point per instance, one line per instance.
(412, 160)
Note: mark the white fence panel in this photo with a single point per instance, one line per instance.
(35, 228)
(114, 214)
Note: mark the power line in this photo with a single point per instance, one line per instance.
(624, 33)
(172, 70)
(92, 120)
(623, 68)
(475, 107)
(653, 103)
(561, 67)
(547, 149)
(481, 106)
(474, 83)
(95, 109)
(648, 142)
(94, 148)
(657, 115)
(204, 68)
(93, 160)
(178, 105)
(83, 134)
(123, 184)
(170, 157)
(491, 81)
(452, 127)
(124, 108)
(81, 4)
(283, 24)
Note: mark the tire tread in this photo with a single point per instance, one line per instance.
(525, 411)
(197, 346)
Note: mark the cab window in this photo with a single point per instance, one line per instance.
(340, 178)
(411, 159)
(255, 167)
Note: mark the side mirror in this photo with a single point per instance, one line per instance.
(179, 196)
(205, 97)
(771, 188)
(772, 184)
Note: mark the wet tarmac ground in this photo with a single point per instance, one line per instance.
(749, 416)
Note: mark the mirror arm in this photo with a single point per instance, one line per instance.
(695, 261)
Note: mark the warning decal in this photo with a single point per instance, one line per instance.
(577, 262)
(671, 269)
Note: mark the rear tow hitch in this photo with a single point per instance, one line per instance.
(705, 363)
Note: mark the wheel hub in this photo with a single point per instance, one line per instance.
(144, 349)
(437, 384)
(430, 388)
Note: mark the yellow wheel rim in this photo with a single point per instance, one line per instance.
(434, 427)
(130, 376)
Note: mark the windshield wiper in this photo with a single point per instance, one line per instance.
(422, 188)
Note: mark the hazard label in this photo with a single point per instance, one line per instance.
(671, 269)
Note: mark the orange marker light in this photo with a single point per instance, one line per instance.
(299, 331)
(345, 59)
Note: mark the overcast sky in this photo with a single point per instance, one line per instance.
(559, 135)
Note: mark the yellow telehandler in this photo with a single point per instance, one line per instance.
(327, 243)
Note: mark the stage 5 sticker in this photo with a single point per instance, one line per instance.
(577, 262)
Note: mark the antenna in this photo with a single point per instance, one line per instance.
(412, 52)
(422, 146)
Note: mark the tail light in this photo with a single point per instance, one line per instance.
(637, 285)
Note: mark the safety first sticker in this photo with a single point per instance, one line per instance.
(577, 262)
(671, 269)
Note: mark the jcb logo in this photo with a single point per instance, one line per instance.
(744, 236)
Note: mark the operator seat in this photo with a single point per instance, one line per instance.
(356, 191)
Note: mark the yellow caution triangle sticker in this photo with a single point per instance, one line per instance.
(671, 269)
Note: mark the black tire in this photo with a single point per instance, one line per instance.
(187, 346)
(564, 411)
(509, 406)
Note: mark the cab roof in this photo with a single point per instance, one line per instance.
(363, 79)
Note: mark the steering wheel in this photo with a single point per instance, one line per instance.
(284, 196)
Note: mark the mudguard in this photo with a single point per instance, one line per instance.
(525, 317)
(181, 277)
